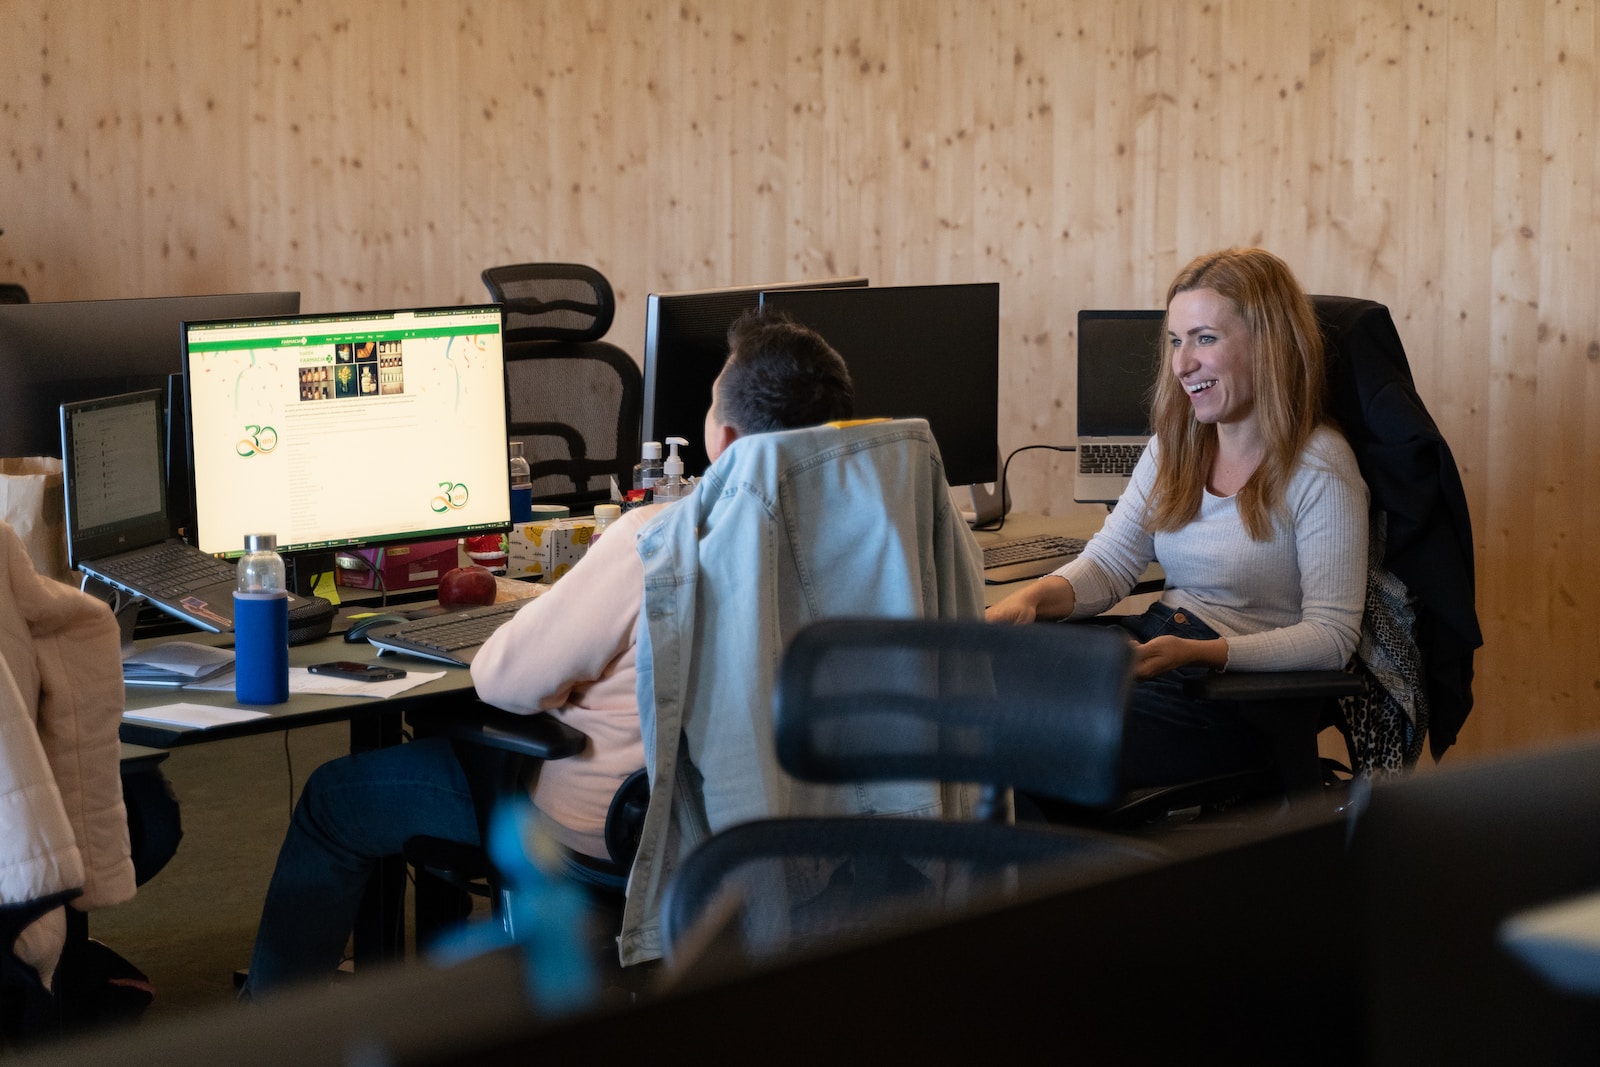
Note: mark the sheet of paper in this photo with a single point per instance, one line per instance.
(303, 681)
(198, 716)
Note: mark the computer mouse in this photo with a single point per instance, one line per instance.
(362, 628)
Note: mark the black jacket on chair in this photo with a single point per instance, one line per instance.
(1412, 476)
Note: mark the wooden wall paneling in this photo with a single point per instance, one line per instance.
(1512, 607)
(1451, 352)
(191, 86)
(758, 228)
(22, 79)
(1196, 168)
(1565, 232)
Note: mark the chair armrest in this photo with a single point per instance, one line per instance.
(541, 736)
(1256, 686)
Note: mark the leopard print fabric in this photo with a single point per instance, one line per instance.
(1385, 726)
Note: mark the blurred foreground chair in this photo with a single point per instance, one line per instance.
(1410, 681)
(575, 400)
(865, 700)
(500, 752)
(12, 293)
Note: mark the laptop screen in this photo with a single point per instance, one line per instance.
(1119, 355)
(335, 431)
(115, 500)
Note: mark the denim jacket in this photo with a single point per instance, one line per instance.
(783, 529)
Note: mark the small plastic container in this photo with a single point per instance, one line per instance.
(604, 516)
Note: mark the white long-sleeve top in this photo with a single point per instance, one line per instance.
(1293, 602)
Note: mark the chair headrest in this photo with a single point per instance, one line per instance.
(552, 301)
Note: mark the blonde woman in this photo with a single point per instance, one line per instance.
(1251, 502)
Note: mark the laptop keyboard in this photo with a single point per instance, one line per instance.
(459, 630)
(169, 570)
(1109, 459)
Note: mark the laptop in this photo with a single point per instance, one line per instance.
(118, 524)
(1119, 355)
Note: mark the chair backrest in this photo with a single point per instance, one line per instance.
(1413, 481)
(1035, 707)
(575, 401)
(552, 301)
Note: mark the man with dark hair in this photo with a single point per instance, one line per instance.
(779, 376)
(570, 652)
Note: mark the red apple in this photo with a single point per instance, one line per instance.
(465, 586)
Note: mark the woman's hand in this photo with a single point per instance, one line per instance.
(1051, 597)
(1161, 654)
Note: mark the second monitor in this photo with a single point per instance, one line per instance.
(925, 351)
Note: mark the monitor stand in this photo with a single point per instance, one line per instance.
(981, 503)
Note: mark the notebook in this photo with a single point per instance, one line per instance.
(118, 524)
(1119, 355)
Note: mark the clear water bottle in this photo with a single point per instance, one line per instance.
(647, 472)
(521, 485)
(261, 624)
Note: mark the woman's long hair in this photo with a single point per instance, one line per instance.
(1287, 373)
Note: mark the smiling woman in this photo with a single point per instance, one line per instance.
(1249, 501)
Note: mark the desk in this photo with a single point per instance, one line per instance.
(373, 723)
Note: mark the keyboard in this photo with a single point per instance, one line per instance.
(450, 638)
(168, 570)
(1028, 557)
(1109, 459)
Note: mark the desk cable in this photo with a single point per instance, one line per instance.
(1005, 497)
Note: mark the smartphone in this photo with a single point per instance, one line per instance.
(361, 672)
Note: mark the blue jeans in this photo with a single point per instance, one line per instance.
(1170, 736)
(354, 811)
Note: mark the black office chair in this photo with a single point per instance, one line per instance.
(12, 293)
(1411, 679)
(575, 401)
(875, 700)
(500, 751)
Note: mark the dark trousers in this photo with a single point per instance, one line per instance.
(1171, 737)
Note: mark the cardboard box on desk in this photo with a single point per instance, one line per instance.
(547, 548)
(403, 566)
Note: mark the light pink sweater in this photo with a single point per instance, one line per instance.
(571, 652)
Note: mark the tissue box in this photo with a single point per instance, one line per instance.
(403, 566)
(547, 548)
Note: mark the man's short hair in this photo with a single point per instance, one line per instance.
(781, 375)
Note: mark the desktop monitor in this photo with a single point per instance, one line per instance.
(930, 351)
(685, 345)
(58, 352)
(338, 431)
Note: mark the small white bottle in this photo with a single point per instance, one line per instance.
(604, 516)
(647, 472)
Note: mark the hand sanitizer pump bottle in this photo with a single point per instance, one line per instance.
(672, 484)
(261, 624)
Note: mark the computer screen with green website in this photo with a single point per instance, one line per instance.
(342, 430)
